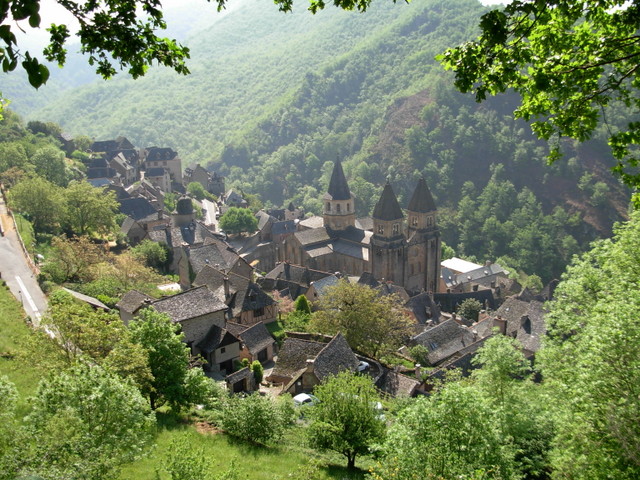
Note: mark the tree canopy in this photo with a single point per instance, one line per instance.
(572, 62)
(371, 323)
(347, 419)
(237, 220)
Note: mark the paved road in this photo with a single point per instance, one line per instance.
(16, 272)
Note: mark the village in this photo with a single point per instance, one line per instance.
(231, 286)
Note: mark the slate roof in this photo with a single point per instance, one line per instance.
(137, 208)
(421, 201)
(525, 321)
(338, 187)
(192, 234)
(216, 337)
(132, 300)
(294, 354)
(365, 223)
(312, 222)
(335, 357)
(388, 208)
(424, 308)
(256, 338)
(214, 253)
(155, 154)
(448, 302)
(241, 374)
(444, 339)
(248, 298)
(312, 236)
(462, 360)
(396, 384)
(282, 228)
(94, 302)
(193, 303)
(323, 283)
(263, 219)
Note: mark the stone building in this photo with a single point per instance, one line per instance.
(405, 253)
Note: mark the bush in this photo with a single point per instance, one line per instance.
(258, 371)
(253, 418)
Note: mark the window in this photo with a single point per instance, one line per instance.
(328, 206)
(223, 349)
(338, 208)
(414, 221)
(348, 207)
(381, 229)
(396, 228)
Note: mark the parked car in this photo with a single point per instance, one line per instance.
(304, 399)
(363, 366)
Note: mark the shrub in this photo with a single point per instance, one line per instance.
(252, 418)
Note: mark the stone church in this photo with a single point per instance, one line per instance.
(405, 253)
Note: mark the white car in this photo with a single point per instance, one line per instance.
(363, 366)
(304, 399)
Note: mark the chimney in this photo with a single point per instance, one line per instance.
(225, 280)
(310, 365)
(501, 324)
(418, 372)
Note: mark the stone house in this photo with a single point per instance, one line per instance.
(303, 364)
(256, 341)
(130, 303)
(159, 177)
(155, 157)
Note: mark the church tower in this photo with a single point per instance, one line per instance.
(423, 242)
(388, 241)
(339, 209)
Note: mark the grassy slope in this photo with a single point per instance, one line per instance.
(14, 331)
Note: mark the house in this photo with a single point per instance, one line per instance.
(155, 157)
(444, 340)
(219, 348)
(303, 364)
(159, 177)
(234, 199)
(127, 172)
(210, 181)
(296, 279)
(197, 311)
(471, 276)
(218, 254)
(256, 341)
(100, 173)
(248, 303)
(130, 303)
(424, 309)
(524, 321)
(107, 146)
(241, 381)
(397, 385)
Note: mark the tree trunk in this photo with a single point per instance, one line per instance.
(351, 461)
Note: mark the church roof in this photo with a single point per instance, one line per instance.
(387, 207)
(338, 187)
(421, 200)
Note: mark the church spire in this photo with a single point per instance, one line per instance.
(338, 187)
(421, 200)
(387, 207)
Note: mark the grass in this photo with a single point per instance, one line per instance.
(26, 232)
(14, 332)
(289, 458)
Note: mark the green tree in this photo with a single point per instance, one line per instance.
(41, 201)
(590, 361)
(470, 309)
(153, 254)
(302, 305)
(572, 63)
(196, 190)
(72, 259)
(238, 220)
(10, 441)
(167, 355)
(371, 323)
(89, 209)
(454, 433)
(49, 164)
(346, 420)
(85, 423)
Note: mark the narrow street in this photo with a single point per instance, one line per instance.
(16, 272)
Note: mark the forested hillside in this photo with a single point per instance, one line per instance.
(273, 99)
